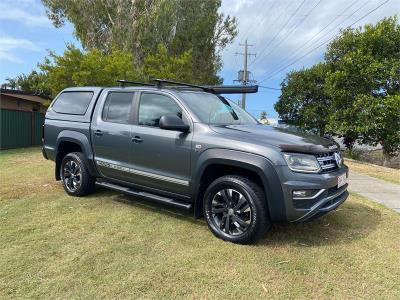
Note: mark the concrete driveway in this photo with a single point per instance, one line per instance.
(375, 189)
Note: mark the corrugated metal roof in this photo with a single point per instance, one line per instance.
(31, 98)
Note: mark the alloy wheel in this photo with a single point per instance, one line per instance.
(231, 212)
(72, 176)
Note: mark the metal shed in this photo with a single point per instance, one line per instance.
(21, 119)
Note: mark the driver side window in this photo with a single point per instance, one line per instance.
(153, 106)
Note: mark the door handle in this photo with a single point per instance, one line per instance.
(98, 132)
(137, 139)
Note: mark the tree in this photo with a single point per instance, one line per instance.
(263, 117)
(77, 67)
(355, 92)
(162, 65)
(364, 83)
(11, 83)
(303, 101)
(378, 121)
(141, 26)
(32, 83)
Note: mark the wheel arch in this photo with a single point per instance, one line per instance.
(72, 141)
(219, 162)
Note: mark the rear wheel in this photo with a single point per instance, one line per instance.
(235, 209)
(75, 176)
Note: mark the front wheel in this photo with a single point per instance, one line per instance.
(75, 176)
(235, 209)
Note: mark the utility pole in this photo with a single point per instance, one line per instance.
(243, 75)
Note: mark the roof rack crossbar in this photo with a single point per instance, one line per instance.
(123, 82)
(214, 89)
(161, 81)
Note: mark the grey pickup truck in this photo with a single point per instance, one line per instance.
(187, 146)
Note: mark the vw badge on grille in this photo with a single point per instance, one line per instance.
(338, 159)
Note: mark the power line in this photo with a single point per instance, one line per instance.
(322, 44)
(276, 20)
(269, 91)
(283, 27)
(243, 36)
(320, 38)
(293, 29)
(269, 88)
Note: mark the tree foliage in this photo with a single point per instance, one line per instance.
(31, 83)
(77, 67)
(356, 94)
(303, 101)
(141, 26)
(364, 81)
(162, 65)
(263, 115)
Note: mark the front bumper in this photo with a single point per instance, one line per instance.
(328, 198)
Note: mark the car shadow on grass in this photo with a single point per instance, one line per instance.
(351, 221)
(152, 207)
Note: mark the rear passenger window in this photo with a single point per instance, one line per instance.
(117, 107)
(153, 106)
(73, 103)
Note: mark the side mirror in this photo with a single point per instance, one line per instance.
(173, 122)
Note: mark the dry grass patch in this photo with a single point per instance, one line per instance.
(112, 246)
(387, 174)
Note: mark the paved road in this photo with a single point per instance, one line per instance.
(375, 189)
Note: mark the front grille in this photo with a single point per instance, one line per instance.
(327, 162)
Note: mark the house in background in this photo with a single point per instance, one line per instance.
(21, 118)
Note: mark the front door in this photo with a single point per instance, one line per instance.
(161, 158)
(111, 134)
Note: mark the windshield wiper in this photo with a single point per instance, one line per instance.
(230, 108)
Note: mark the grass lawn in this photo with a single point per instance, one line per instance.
(109, 245)
(387, 174)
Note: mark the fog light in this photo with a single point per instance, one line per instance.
(302, 194)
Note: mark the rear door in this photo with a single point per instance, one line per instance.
(111, 134)
(161, 157)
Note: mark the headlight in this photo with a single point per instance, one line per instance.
(302, 162)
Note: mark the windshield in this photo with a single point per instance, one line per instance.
(213, 109)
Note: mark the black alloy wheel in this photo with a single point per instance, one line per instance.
(72, 176)
(75, 175)
(231, 212)
(235, 209)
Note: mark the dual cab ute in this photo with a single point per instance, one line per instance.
(189, 147)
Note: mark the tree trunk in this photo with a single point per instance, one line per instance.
(349, 142)
(386, 156)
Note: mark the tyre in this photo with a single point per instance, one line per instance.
(75, 176)
(235, 209)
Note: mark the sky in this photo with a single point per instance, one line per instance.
(285, 35)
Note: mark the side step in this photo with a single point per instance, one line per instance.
(145, 195)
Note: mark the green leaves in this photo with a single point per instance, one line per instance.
(303, 101)
(140, 26)
(77, 67)
(162, 65)
(358, 95)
